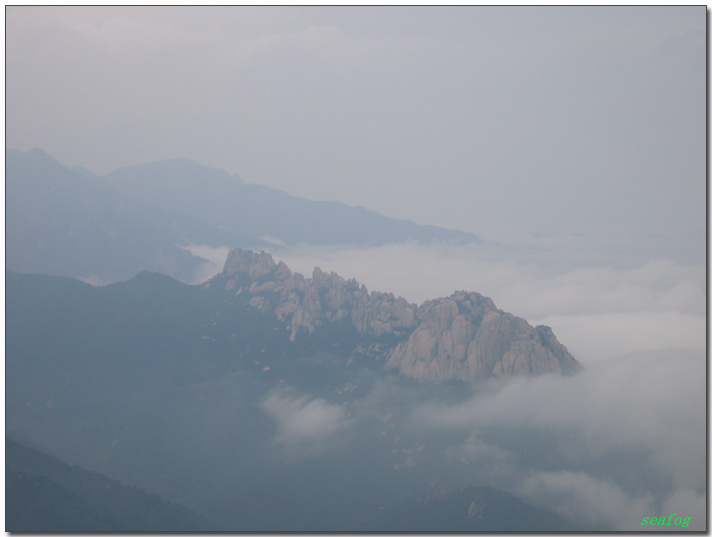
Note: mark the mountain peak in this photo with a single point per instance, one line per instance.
(155, 180)
(460, 337)
(253, 264)
(37, 153)
(35, 157)
(465, 337)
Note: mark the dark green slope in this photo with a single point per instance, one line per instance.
(171, 372)
(43, 494)
(38, 504)
(467, 509)
(159, 384)
(163, 385)
(154, 327)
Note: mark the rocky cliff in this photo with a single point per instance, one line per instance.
(461, 337)
(464, 336)
(307, 303)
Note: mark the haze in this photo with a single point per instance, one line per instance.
(501, 121)
(571, 139)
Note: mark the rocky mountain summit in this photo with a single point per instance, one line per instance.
(460, 337)
(307, 303)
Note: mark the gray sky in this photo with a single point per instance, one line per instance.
(499, 121)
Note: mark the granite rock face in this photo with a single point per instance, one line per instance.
(465, 337)
(461, 337)
(307, 303)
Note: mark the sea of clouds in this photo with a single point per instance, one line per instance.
(600, 307)
(636, 320)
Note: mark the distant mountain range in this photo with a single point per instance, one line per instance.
(248, 210)
(69, 222)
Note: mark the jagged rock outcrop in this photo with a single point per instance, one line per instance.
(466, 337)
(307, 303)
(461, 337)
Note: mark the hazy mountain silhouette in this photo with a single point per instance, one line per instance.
(69, 222)
(216, 197)
(66, 222)
(46, 495)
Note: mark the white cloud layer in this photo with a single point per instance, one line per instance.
(582, 498)
(638, 324)
(650, 404)
(600, 309)
(301, 419)
(214, 261)
(639, 401)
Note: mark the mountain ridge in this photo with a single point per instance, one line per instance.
(227, 201)
(102, 229)
(45, 494)
(460, 337)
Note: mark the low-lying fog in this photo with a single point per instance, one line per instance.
(603, 298)
(621, 441)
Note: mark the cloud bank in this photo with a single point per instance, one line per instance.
(599, 308)
(303, 419)
(622, 440)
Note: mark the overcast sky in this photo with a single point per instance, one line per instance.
(495, 120)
